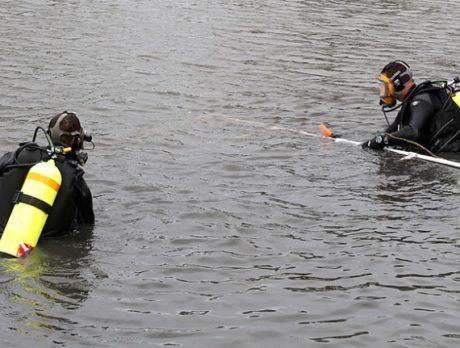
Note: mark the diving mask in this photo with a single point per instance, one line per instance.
(387, 91)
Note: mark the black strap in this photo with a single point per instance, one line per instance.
(20, 197)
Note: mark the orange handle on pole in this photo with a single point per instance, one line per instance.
(326, 131)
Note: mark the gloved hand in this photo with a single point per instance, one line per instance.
(376, 143)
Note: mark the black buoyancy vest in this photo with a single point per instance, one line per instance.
(64, 209)
(446, 127)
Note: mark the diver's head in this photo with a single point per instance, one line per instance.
(65, 130)
(395, 82)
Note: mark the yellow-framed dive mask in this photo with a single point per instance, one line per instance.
(386, 91)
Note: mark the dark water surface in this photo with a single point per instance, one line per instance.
(219, 224)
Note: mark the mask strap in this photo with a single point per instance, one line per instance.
(396, 79)
(55, 131)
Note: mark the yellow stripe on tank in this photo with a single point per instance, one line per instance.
(44, 180)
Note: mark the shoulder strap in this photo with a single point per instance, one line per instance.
(424, 87)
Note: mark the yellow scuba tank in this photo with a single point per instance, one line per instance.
(32, 207)
(456, 98)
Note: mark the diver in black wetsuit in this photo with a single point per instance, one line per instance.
(74, 204)
(428, 119)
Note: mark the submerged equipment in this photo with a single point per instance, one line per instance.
(407, 154)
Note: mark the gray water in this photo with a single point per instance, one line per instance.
(219, 223)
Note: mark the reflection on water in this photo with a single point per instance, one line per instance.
(57, 272)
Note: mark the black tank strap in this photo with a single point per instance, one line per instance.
(20, 197)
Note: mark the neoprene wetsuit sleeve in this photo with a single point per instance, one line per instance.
(419, 113)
